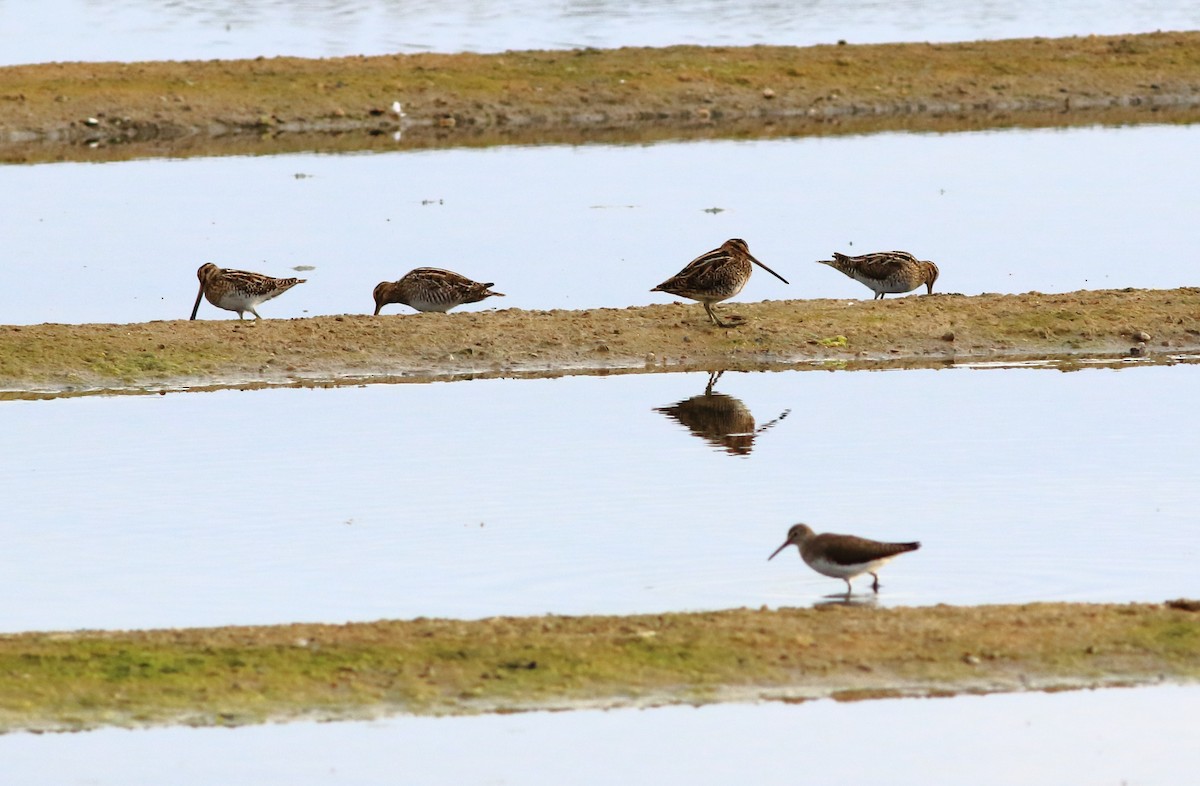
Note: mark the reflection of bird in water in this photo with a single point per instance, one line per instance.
(720, 420)
(886, 272)
(238, 290)
(842, 556)
(715, 276)
(432, 289)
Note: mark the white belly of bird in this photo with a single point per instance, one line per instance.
(888, 286)
(827, 568)
(421, 304)
(238, 301)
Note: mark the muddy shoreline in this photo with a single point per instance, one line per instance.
(233, 676)
(240, 675)
(1127, 325)
(110, 111)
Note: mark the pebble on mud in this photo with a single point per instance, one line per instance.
(1141, 335)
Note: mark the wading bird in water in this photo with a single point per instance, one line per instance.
(842, 556)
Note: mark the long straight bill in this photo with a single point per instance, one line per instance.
(196, 307)
(769, 270)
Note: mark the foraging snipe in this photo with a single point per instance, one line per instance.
(719, 419)
(842, 556)
(886, 271)
(238, 290)
(432, 289)
(718, 275)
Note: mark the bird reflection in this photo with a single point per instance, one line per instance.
(845, 599)
(720, 420)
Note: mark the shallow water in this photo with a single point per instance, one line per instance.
(1139, 736)
(576, 495)
(582, 227)
(139, 30)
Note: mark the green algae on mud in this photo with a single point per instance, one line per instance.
(56, 359)
(103, 111)
(240, 675)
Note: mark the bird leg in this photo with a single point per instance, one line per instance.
(716, 321)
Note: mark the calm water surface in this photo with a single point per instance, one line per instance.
(582, 227)
(1138, 736)
(140, 30)
(578, 495)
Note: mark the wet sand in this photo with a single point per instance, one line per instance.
(1130, 324)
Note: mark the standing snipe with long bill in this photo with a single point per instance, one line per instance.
(718, 275)
(432, 289)
(886, 272)
(238, 290)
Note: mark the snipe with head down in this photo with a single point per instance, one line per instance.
(886, 272)
(238, 290)
(432, 289)
(715, 276)
(842, 556)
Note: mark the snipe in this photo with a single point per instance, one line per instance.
(238, 290)
(886, 272)
(432, 289)
(718, 275)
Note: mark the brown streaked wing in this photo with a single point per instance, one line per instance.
(881, 264)
(440, 276)
(853, 550)
(704, 271)
(708, 260)
(256, 283)
(446, 286)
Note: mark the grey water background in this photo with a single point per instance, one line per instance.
(598, 226)
(578, 496)
(1139, 736)
(91, 30)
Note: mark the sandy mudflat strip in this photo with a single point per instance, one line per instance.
(229, 676)
(54, 359)
(103, 111)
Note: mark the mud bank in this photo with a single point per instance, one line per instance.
(240, 675)
(106, 111)
(930, 330)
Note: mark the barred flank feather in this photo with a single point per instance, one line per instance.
(886, 272)
(238, 290)
(432, 289)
